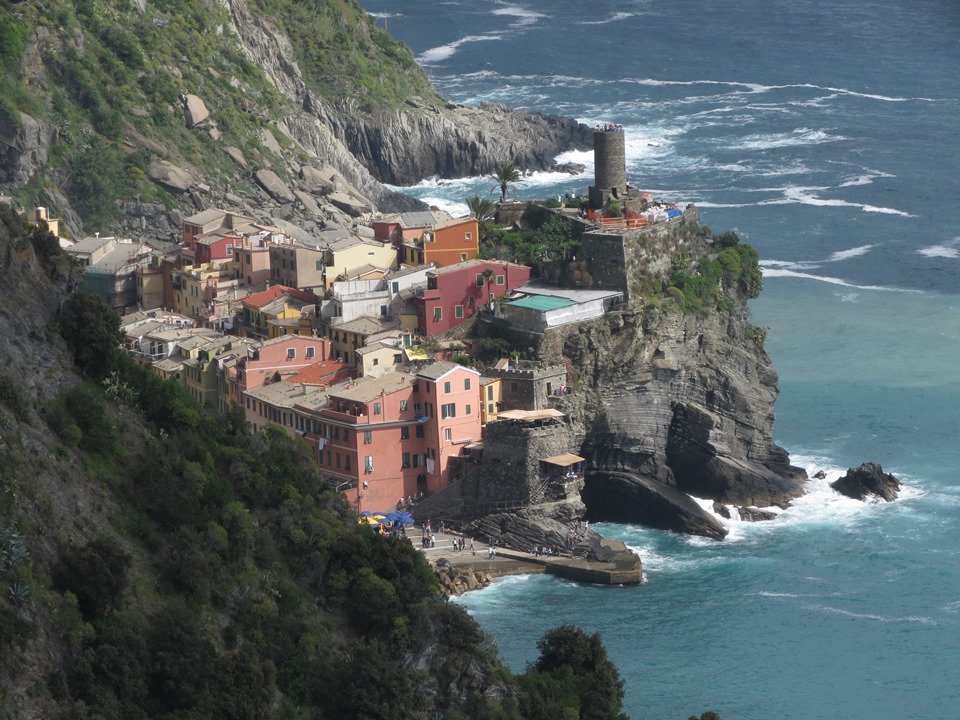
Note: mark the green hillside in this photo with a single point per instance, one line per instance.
(156, 562)
(100, 71)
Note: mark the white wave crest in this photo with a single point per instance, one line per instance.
(524, 15)
(800, 136)
(770, 272)
(616, 17)
(442, 52)
(870, 616)
(949, 249)
(851, 253)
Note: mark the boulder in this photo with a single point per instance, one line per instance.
(315, 181)
(237, 156)
(170, 177)
(571, 168)
(348, 204)
(270, 142)
(275, 187)
(194, 110)
(868, 480)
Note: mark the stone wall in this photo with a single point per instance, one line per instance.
(637, 261)
(511, 472)
(529, 389)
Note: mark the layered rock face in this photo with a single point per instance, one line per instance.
(677, 401)
(689, 404)
(402, 147)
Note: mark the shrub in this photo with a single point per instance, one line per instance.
(96, 573)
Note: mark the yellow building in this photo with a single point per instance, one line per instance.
(345, 256)
(491, 397)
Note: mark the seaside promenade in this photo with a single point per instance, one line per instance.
(621, 565)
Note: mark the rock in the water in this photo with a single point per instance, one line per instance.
(194, 110)
(752, 514)
(571, 168)
(820, 475)
(868, 479)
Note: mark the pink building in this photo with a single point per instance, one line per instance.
(276, 360)
(455, 293)
(392, 436)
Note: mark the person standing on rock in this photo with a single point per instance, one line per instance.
(471, 547)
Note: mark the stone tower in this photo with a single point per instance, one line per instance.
(610, 163)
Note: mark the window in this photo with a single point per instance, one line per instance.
(466, 383)
(419, 431)
(458, 311)
(338, 461)
(318, 265)
(490, 408)
(346, 436)
(500, 280)
(405, 432)
(448, 434)
(479, 280)
(438, 313)
(472, 301)
(376, 408)
(383, 310)
(291, 353)
(446, 388)
(490, 392)
(429, 409)
(467, 410)
(431, 453)
(229, 249)
(468, 236)
(448, 411)
(311, 352)
(397, 358)
(416, 409)
(418, 460)
(376, 361)
(403, 406)
(405, 461)
(346, 462)
(368, 464)
(329, 458)
(463, 256)
(395, 287)
(367, 437)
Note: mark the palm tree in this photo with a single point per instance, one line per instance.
(481, 208)
(506, 175)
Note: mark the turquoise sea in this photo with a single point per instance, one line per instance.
(827, 135)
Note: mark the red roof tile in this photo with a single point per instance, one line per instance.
(325, 373)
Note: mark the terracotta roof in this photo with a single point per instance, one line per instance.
(324, 373)
(264, 297)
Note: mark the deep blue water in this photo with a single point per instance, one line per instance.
(827, 135)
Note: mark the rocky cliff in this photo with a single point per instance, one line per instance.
(675, 399)
(251, 131)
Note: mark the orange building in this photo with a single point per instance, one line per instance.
(446, 243)
(392, 436)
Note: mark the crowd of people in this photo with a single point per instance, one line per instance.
(608, 127)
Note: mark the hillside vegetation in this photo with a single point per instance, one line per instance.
(156, 562)
(101, 71)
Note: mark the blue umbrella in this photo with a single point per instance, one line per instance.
(393, 516)
(406, 518)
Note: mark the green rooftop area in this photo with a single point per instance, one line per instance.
(541, 303)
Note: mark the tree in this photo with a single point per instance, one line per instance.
(481, 208)
(573, 671)
(507, 177)
(91, 329)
